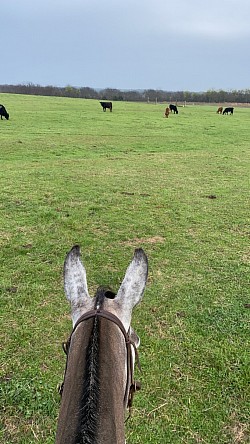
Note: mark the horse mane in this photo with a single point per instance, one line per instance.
(89, 415)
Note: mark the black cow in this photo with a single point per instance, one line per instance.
(173, 108)
(106, 105)
(3, 113)
(228, 111)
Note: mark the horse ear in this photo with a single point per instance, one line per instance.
(131, 290)
(75, 282)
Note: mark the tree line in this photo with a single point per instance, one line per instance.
(147, 95)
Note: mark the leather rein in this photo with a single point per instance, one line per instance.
(131, 385)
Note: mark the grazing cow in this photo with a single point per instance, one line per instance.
(3, 113)
(219, 110)
(106, 105)
(228, 111)
(167, 112)
(173, 108)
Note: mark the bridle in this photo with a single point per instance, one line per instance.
(131, 385)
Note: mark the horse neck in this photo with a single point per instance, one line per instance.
(107, 423)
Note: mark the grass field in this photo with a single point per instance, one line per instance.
(177, 187)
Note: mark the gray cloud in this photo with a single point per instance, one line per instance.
(133, 44)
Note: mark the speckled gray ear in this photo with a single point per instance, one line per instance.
(134, 282)
(75, 283)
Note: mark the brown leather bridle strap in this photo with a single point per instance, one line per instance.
(131, 385)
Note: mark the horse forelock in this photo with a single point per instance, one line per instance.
(101, 294)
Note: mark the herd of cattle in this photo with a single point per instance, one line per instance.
(170, 108)
(108, 105)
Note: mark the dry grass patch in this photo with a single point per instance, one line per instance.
(143, 241)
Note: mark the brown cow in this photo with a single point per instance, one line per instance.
(167, 112)
(219, 110)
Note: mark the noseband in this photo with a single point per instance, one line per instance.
(131, 385)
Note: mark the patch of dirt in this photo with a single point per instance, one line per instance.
(144, 240)
(11, 289)
(127, 193)
(239, 433)
(211, 196)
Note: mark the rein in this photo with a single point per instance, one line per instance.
(131, 385)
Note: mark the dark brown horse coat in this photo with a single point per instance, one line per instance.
(110, 392)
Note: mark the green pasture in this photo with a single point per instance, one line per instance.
(112, 182)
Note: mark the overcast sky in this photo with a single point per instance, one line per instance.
(190, 45)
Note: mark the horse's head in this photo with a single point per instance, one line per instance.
(102, 348)
(122, 304)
